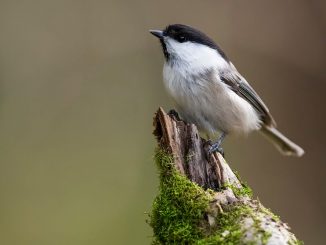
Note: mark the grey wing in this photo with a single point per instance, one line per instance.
(240, 86)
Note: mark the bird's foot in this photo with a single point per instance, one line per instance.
(217, 145)
(173, 113)
(216, 148)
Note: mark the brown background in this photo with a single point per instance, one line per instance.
(80, 81)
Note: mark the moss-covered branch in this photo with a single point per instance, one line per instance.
(200, 199)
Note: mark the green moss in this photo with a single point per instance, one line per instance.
(228, 231)
(260, 234)
(265, 237)
(179, 208)
(295, 242)
(269, 212)
(179, 212)
(245, 190)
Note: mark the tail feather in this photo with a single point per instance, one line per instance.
(283, 144)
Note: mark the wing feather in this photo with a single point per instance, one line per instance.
(240, 86)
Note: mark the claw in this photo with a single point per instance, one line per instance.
(215, 148)
(174, 113)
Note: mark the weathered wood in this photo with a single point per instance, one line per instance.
(190, 152)
(210, 171)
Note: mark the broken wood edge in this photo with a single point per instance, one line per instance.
(190, 157)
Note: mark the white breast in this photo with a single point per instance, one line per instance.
(193, 81)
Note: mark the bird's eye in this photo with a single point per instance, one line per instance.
(181, 38)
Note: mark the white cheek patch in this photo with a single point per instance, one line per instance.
(196, 57)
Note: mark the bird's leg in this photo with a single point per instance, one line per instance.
(217, 144)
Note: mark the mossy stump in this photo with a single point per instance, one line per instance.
(200, 199)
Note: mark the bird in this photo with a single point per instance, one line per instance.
(209, 92)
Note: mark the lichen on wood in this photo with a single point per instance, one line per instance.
(200, 199)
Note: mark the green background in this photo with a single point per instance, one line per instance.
(80, 81)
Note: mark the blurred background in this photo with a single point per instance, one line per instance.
(81, 80)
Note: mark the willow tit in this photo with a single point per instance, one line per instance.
(209, 91)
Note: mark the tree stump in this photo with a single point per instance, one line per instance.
(200, 199)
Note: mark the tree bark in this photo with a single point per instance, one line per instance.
(228, 197)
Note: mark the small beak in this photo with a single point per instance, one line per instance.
(157, 33)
